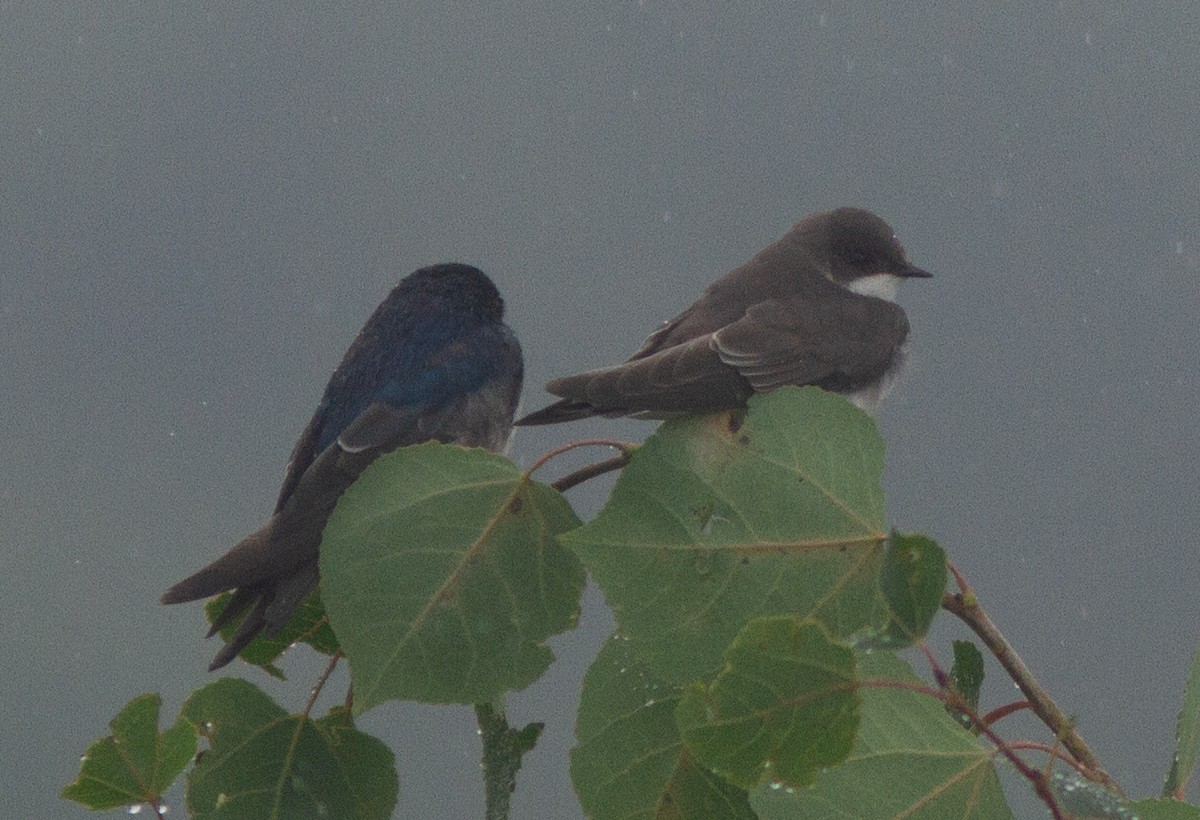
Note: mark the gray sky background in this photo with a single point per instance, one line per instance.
(201, 203)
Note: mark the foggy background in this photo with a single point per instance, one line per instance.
(201, 203)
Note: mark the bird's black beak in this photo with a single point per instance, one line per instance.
(912, 272)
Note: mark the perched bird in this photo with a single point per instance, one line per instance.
(814, 307)
(434, 362)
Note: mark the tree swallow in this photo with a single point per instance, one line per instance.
(813, 308)
(434, 362)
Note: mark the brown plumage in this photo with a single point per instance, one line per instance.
(801, 312)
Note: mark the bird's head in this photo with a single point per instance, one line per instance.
(454, 288)
(864, 254)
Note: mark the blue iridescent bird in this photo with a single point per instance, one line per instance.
(434, 362)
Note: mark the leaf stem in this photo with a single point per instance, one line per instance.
(321, 681)
(965, 605)
(1053, 752)
(583, 474)
(589, 472)
(1006, 710)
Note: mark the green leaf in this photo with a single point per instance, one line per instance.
(503, 750)
(913, 581)
(910, 759)
(1081, 799)
(630, 761)
(784, 706)
(264, 764)
(308, 625)
(442, 576)
(365, 764)
(135, 764)
(696, 793)
(717, 519)
(1187, 735)
(1161, 808)
(967, 671)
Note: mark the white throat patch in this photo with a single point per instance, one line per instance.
(880, 285)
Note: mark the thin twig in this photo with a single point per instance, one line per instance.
(623, 446)
(589, 472)
(939, 674)
(293, 744)
(565, 483)
(964, 585)
(1052, 752)
(965, 605)
(1006, 710)
(321, 681)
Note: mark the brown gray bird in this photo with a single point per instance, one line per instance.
(815, 307)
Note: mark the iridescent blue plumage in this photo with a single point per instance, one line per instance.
(434, 362)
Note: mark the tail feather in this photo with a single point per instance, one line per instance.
(271, 572)
(243, 565)
(241, 600)
(275, 602)
(246, 632)
(287, 593)
(270, 577)
(562, 410)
